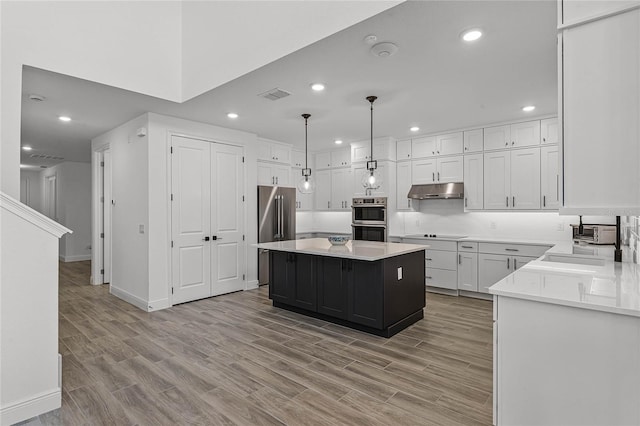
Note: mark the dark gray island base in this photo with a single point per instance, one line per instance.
(380, 297)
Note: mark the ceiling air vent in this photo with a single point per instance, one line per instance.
(274, 94)
(46, 157)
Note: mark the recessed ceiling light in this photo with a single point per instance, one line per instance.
(232, 115)
(471, 35)
(528, 108)
(318, 87)
(64, 118)
(26, 148)
(414, 128)
(338, 141)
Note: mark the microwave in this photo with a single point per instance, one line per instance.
(595, 234)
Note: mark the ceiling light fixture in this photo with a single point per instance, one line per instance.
(528, 108)
(471, 35)
(414, 128)
(26, 148)
(317, 87)
(64, 118)
(306, 185)
(338, 142)
(384, 49)
(371, 178)
(232, 115)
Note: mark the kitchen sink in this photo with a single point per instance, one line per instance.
(575, 260)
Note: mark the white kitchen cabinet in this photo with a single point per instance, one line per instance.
(549, 131)
(512, 179)
(467, 271)
(441, 263)
(493, 265)
(304, 202)
(601, 115)
(359, 170)
(473, 141)
(573, 11)
(403, 185)
(438, 170)
(403, 150)
(323, 160)
(341, 158)
(297, 159)
(423, 147)
(273, 151)
(549, 177)
(525, 134)
(323, 190)
(473, 182)
(273, 174)
(341, 189)
(384, 149)
(450, 143)
(497, 137)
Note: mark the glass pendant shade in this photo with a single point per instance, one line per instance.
(306, 184)
(371, 179)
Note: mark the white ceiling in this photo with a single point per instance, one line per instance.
(434, 81)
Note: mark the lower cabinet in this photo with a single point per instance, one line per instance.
(467, 271)
(332, 295)
(293, 280)
(494, 267)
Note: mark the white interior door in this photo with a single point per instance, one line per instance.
(227, 219)
(50, 197)
(106, 217)
(190, 219)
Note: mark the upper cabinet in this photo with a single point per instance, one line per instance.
(512, 179)
(549, 177)
(473, 141)
(512, 136)
(341, 158)
(573, 11)
(549, 131)
(383, 149)
(437, 170)
(435, 146)
(423, 147)
(297, 159)
(600, 90)
(323, 160)
(403, 150)
(273, 151)
(473, 182)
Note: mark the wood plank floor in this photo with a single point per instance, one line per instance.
(236, 360)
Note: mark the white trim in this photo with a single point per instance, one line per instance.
(31, 407)
(76, 258)
(598, 17)
(30, 215)
(156, 305)
(128, 297)
(252, 285)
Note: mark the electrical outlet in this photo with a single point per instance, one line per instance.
(141, 229)
(492, 225)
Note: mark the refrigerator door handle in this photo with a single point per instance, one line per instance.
(279, 216)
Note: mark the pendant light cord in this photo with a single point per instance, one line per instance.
(306, 150)
(371, 99)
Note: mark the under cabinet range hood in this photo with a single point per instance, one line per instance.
(436, 191)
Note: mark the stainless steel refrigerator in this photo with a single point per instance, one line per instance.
(276, 222)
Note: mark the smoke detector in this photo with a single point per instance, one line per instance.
(36, 98)
(384, 49)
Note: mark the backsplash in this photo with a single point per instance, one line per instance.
(630, 235)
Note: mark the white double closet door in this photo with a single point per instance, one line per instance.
(207, 219)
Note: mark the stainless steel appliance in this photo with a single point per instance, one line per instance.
(594, 234)
(276, 222)
(369, 218)
(437, 191)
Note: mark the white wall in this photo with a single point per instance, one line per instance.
(31, 189)
(73, 180)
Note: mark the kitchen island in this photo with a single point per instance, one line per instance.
(567, 340)
(369, 286)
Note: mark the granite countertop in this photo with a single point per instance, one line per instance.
(359, 250)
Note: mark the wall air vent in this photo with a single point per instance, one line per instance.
(46, 157)
(274, 94)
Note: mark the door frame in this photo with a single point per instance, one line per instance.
(97, 214)
(170, 135)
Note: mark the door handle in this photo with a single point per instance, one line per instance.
(508, 262)
(459, 259)
(465, 201)
(511, 249)
(507, 198)
(514, 264)
(215, 237)
(544, 201)
(276, 180)
(328, 204)
(513, 204)
(433, 177)
(205, 239)
(438, 176)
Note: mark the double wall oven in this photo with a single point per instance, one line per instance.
(369, 218)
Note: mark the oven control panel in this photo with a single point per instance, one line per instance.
(364, 201)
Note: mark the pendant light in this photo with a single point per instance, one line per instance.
(306, 185)
(371, 178)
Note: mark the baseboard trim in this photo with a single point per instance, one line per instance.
(76, 258)
(32, 407)
(156, 305)
(251, 285)
(129, 298)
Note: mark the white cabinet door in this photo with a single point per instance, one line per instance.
(442, 278)
(423, 147)
(323, 190)
(549, 131)
(525, 134)
(297, 159)
(281, 175)
(450, 169)
(281, 153)
(450, 143)
(549, 177)
(423, 171)
(323, 160)
(491, 269)
(304, 202)
(360, 153)
(264, 150)
(341, 158)
(467, 271)
(518, 262)
(498, 137)
(497, 180)
(403, 150)
(473, 182)
(473, 141)
(403, 185)
(340, 189)
(265, 175)
(525, 179)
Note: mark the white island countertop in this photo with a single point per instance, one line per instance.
(576, 276)
(359, 250)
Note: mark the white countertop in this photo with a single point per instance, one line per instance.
(482, 239)
(360, 250)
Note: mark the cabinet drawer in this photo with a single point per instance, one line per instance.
(513, 249)
(441, 259)
(442, 278)
(468, 246)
